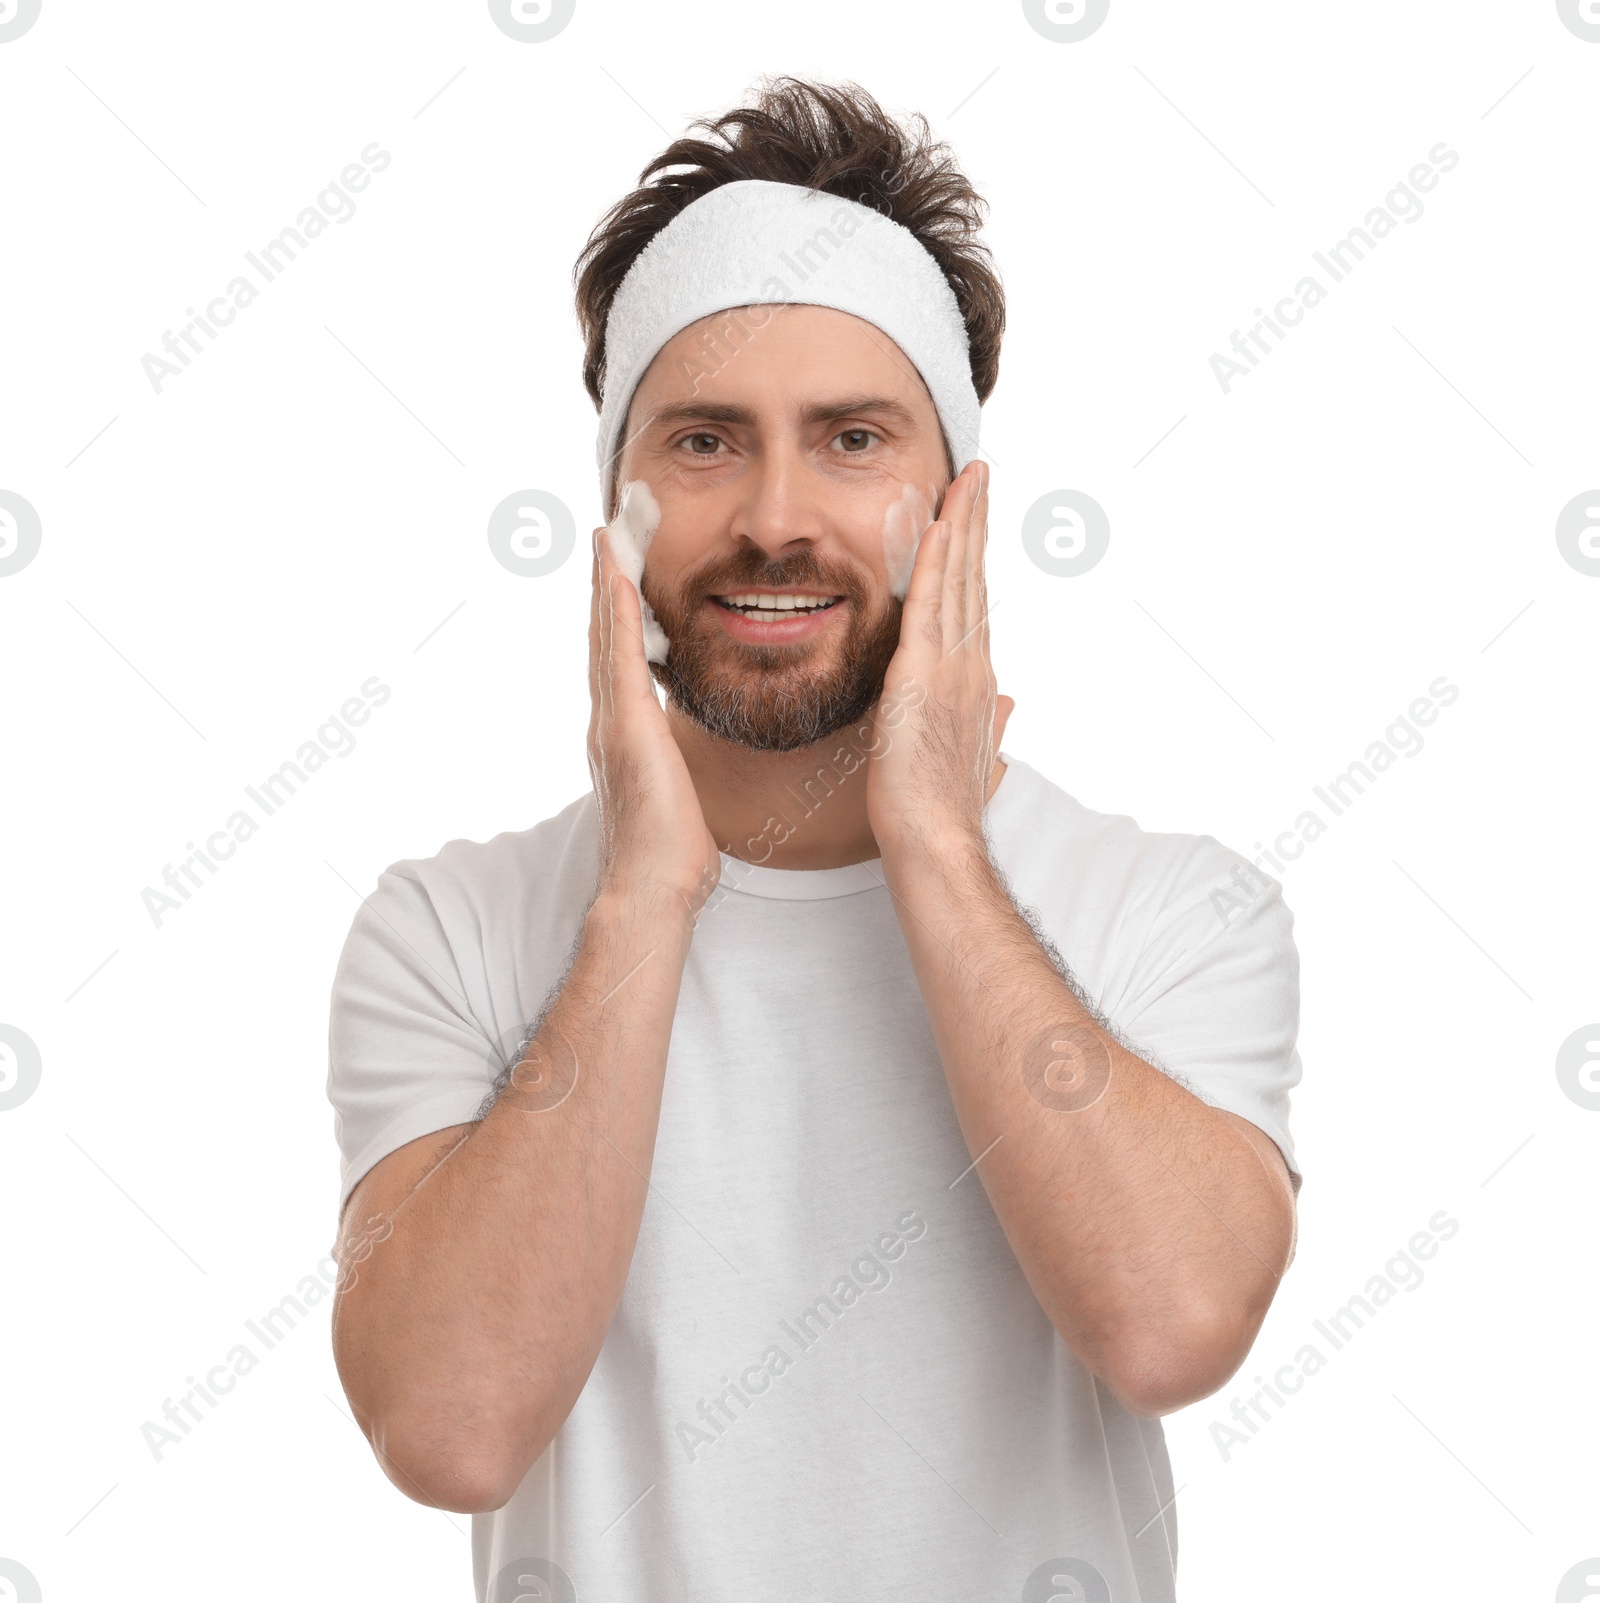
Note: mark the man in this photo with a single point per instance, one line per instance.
(808, 1165)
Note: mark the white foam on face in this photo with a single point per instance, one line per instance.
(628, 535)
(904, 523)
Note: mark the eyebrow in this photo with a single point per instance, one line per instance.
(697, 411)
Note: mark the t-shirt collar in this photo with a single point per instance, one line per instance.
(817, 884)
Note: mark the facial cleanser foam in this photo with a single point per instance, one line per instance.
(904, 524)
(628, 535)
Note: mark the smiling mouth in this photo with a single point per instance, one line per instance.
(770, 608)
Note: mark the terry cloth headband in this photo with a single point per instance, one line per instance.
(754, 243)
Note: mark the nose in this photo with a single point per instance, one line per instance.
(780, 510)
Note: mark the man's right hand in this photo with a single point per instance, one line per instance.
(653, 834)
(490, 1258)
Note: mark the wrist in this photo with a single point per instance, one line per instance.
(933, 848)
(638, 902)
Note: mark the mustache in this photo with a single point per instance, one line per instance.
(750, 570)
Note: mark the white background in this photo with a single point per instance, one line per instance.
(1292, 565)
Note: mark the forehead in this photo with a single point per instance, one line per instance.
(779, 358)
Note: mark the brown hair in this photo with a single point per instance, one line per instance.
(834, 138)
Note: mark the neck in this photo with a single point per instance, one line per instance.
(786, 809)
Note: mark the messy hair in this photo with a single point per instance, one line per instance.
(833, 138)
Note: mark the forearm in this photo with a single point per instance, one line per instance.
(1150, 1229)
(468, 1330)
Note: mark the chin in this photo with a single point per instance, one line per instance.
(772, 721)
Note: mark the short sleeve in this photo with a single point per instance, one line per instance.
(1215, 995)
(406, 1055)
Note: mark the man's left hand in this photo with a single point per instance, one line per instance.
(939, 723)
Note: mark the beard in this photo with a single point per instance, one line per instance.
(774, 698)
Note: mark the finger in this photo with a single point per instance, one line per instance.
(967, 609)
(612, 635)
(920, 616)
(606, 706)
(977, 550)
(597, 695)
(594, 620)
(629, 671)
(958, 513)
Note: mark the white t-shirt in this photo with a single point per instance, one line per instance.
(827, 1376)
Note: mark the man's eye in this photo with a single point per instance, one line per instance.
(856, 439)
(703, 444)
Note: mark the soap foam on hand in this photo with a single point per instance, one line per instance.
(628, 535)
(904, 523)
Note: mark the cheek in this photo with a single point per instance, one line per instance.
(629, 532)
(674, 546)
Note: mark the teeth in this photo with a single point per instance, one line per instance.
(774, 603)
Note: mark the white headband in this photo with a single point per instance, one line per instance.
(755, 243)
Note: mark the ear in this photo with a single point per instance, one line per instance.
(1004, 706)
